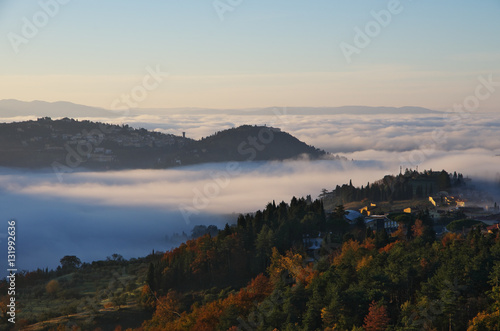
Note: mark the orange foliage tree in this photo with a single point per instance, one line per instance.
(293, 264)
(377, 318)
(208, 316)
(418, 228)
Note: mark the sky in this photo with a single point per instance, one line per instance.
(240, 54)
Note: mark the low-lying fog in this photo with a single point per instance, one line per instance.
(95, 214)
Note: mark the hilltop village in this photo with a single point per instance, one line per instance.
(449, 202)
(68, 143)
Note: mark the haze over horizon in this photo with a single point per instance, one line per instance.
(251, 54)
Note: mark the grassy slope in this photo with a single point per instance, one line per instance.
(86, 297)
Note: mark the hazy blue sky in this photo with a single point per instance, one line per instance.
(263, 53)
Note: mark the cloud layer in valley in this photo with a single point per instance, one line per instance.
(93, 215)
(341, 133)
(96, 214)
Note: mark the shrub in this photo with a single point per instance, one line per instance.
(52, 287)
(458, 225)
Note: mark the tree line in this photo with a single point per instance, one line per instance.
(406, 186)
(358, 280)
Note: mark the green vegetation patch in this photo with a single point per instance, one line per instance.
(466, 223)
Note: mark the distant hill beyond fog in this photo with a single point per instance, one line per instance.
(71, 143)
(13, 108)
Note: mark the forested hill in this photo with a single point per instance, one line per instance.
(286, 267)
(406, 186)
(69, 143)
(256, 143)
(289, 266)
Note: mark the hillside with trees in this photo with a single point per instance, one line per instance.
(289, 266)
(406, 186)
(67, 144)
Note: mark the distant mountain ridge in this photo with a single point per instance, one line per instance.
(344, 110)
(60, 109)
(69, 143)
(13, 108)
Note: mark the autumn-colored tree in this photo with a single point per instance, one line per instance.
(349, 252)
(489, 320)
(292, 264)
(52, 287)
(400, 233)
(369, 243)
(167, 308)
(377, 318)
(428, 283)
(485, 321)
(450, 238)
(147, 298)
(260, 287)
(364, 262)
(4, 301)
(208, 316)
(387, 248)
(205, 255)
(418, 228)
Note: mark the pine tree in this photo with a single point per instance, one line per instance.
(150, 278)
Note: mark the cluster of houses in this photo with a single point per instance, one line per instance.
(131, 139)
(374, 222)
(491, 223)
(126, 137)
(442, 203)
(443, 198)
